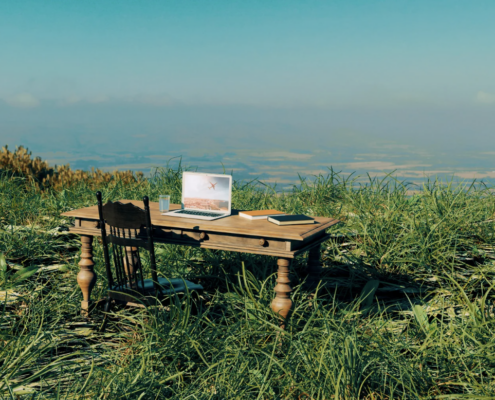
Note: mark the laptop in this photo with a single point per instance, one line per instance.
(204, 196)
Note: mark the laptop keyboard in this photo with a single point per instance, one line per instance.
(199, 213)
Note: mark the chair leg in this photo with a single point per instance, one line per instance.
(106, 309)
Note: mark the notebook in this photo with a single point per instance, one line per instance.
(291, 219)
(204, 196)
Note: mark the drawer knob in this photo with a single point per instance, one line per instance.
(203, 236)
(262, 242)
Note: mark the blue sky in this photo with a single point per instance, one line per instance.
(410, 73)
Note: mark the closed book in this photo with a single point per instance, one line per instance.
(291, 219)
(259, 214)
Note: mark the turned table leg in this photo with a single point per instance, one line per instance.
(86, 278)
(314, 268)
(282, 303)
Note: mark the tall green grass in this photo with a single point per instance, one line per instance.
(405, 309)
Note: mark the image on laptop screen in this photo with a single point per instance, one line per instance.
(206, 192)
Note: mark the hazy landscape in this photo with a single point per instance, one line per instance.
(273, 145)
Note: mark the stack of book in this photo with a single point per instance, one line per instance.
(259, 214)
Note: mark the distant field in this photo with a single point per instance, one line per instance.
(405, 310)
(356, 156)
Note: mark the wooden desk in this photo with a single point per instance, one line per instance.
(232, 233)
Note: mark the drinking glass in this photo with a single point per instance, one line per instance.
(164, 203)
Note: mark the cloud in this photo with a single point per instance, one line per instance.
(485, 98)
(154, 100)
(70, 100)
(23, 100)
(98, 99)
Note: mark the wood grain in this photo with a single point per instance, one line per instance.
(282, 303)
(86, 278)
(232, 224)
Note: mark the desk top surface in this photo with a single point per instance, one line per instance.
(232, 224)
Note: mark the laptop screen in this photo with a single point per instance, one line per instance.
(206, 191)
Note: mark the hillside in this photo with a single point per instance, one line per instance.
(405, 308)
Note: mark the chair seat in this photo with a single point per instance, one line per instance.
(170, 286)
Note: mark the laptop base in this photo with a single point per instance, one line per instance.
(182, 214)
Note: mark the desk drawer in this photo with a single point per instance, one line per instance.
(246, 241)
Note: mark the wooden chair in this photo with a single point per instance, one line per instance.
(129, 230)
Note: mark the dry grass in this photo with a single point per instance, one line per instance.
(21, 163)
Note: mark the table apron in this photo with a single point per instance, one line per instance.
(217, 241)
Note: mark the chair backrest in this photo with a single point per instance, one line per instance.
(129, 230)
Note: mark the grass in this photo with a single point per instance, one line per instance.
(406, 311)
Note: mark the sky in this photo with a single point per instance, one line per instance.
(267, 89)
